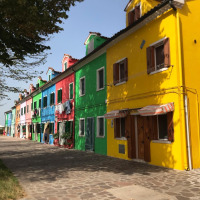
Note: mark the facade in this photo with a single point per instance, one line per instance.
(90, 101)
(17, 120)
(8, 118)
(144, 74)
(23, 119)
(28, 117)
(13, 121)
(36, 112)
(64, 104)
(48, 106)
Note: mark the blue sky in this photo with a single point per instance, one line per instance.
(104, 16)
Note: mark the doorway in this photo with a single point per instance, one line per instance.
(89, 139)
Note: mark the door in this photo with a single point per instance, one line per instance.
(140, 131)
(89, 139)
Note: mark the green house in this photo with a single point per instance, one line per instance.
(90, 100)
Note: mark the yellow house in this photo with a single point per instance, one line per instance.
(153, 84)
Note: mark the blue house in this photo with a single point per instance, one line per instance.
(48, 106)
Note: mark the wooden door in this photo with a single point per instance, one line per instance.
(89, 140)
(140, 136)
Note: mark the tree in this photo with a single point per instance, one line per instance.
(25, 25)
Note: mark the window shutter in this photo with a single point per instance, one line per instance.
(131, 15)
(137, 12)
(40, 103)
(166, 53)
(53, 97)
(115, 73)
(117, 128)
(154, 134)
(150, 59)
(58, 96)
(71, 127)
(170, 126)
(126, 69)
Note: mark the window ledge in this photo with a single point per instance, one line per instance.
(120, 83)
(81, 95)
(160, 70)
(161, 141)
(99, 89)
(100, 136)
(122, 138)
(81, 135)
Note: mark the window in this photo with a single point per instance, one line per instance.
(38, 128)
(65, 66)
(27, 109)
(100, 127)
(37, 85)
(69, 128)
(119, 127)
(71, 92)
(52, 97)
(81, 127)
(40, 103)
(162, 127)
(49, 77)
(120, 71)
(35, 104)
(82, 86)
(24, 110)
(100, 78)
(134, 15)
(158, 56)
(59, 96)
(45, 102)
(21, 111)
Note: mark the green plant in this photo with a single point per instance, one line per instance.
(55, 135)
(67, 136)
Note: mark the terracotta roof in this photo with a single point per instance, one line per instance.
(94, 33)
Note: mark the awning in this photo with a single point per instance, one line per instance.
(116, 114)
(156, 109)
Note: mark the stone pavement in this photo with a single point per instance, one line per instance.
(51, 173)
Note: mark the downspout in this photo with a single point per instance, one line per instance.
(184, 94)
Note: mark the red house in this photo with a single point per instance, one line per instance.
(64, 105)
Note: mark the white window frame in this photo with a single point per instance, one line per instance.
(73, 91)
(80, 86)
(80, 127)
(102, 68)
(99, 136)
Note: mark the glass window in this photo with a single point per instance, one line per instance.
(100, 79)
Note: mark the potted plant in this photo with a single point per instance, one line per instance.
(68, 140)
(56, 139)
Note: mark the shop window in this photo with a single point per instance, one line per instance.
(120, 71)
(82, 86)
(71, 91)
(134, 15)
(119, 127)
(59, 96)
(100, 127)
(52, 98)
(100, 78)
(81, 127)
(158, 56)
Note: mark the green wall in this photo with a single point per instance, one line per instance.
(92, 104)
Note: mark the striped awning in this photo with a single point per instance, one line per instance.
(156, 109)
(116, 114)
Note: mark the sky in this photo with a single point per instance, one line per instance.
(104, 16)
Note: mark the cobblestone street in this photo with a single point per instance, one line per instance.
(52, 173)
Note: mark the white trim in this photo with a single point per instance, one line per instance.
(97, 135)
(158, 41)
(80, 87)
(120, 83)
(161, 141)
(80, 119)
(121, 138)
(73, 90)
(157, 71)
(97, 78)
(120, 60)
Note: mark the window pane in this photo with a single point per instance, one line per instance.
(121, 72)
(162, 125)
(122, 127)
(159, 56)
(35, 105)
(71, 91)
(82, 86)
(81, 127)
(40, 103)
(101, 84)
(101, 126)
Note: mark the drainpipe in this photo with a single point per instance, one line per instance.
(184, 94)
(187, 133)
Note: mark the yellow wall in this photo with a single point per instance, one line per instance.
(142, 89)
(190, 23)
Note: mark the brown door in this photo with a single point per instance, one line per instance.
(140, 131)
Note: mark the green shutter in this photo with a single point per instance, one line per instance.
(71, 91)
(58, 96)
(61, 95)
(53, 97)
(39, 103)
